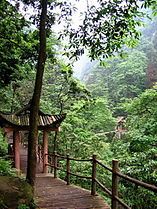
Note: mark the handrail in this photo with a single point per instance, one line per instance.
(81, 160)
(103, 187)
(104, 166)
(115, 175)
(73, 174)
(122, 203)
(137, 182)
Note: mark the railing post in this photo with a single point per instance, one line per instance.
(114, 184)
(93, 189)
(68, 170)
(55, 164)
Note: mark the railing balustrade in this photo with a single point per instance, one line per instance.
(115, 177)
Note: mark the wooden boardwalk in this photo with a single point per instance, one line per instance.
(55, 194)
(52, 193)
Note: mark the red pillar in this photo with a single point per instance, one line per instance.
(16, 140)
(45, 151)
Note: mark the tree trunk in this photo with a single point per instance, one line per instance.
(34, 110)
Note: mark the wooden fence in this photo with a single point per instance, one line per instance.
(115, 177)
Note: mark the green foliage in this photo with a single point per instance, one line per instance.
(2, 205)
(106, 28)
(137, 197)
(3, 145)
(143, 108)
(137, 152)
(66, 90)
(23, 206)
(119, 78)
(32, 205)
(13, 44)
(99, 116)
(6, 167)
(18, 56)
(84, 120)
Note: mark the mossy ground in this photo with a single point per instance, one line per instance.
(14, 191)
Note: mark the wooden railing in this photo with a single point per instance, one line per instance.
(115, 177)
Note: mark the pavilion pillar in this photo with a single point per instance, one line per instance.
(45, 151)
(16, 145)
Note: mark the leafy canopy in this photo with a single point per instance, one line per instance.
(107, 26)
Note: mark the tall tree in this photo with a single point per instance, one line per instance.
(45, 24)
(31, 168)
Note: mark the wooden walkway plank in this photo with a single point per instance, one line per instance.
(55, 194)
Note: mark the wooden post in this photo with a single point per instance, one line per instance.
(45, 151)
(93, 189)
(16, 145)
(68, 170)
(55, 164)
(114, 184)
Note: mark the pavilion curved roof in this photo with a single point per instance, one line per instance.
(21, 119)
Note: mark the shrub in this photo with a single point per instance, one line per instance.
(6, 167)
(3, 145)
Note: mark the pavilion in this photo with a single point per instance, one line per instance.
(18, 122)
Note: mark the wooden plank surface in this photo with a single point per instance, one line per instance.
(55, 194)
(52, 193)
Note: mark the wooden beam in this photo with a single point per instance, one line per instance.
(8, 129)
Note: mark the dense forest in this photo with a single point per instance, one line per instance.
(121, 84)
